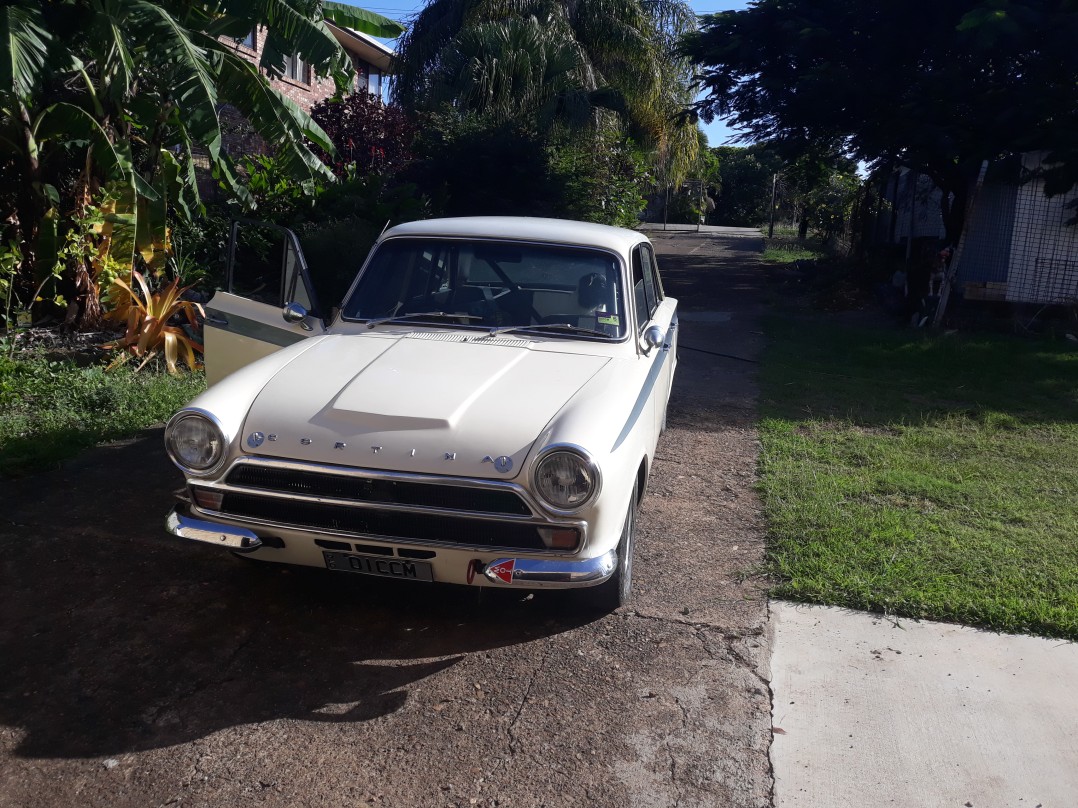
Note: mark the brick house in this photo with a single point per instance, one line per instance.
(372, 61)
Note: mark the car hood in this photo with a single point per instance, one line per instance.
(425, 403)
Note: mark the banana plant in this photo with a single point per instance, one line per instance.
(141, 83)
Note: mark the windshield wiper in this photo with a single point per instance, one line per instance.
(433, 315)
(557, 327)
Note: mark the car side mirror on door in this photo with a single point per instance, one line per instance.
(295, 313)
(653, 338)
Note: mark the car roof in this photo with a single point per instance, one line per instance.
(525, 228)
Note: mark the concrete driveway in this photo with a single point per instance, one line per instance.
(139, 671)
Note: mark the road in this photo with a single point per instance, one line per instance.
(139, 671)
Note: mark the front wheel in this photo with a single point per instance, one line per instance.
(615, 591)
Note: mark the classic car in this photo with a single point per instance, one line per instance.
(482, 409)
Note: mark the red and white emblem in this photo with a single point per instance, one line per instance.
(504, 571)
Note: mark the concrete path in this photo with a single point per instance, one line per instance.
(870, 711)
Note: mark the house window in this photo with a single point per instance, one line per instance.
(296, 69)
(247, 41)
(368, 78)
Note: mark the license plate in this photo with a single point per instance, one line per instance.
(379, 565)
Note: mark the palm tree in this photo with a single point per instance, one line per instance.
(484, 54)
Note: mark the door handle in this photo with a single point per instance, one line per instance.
(219, 321)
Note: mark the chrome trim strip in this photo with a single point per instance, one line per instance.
(246, 327)
(378, 474)
(233, 538)
(492, 516)
(657, 363)
(541, 572)
(390, 540)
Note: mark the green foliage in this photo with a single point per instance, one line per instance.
(602, 181)
(104, 108)
(938, 87)
(786, 248)
(337, 223)
(931, 477)
(556, 65)
(744, 178)
(50, 410)
(474, 165)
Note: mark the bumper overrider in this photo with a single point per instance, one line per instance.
(503, 571)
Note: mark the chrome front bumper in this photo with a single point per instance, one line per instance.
(540, 572)
(187, 527)
(527, 573)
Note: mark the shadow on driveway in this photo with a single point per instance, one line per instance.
(116, 637)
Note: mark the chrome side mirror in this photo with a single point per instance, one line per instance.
(294, 313)
(653, 338)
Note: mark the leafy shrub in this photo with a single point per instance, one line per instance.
(603, 179)
(472, 166)
(370, 137)
(149, 330)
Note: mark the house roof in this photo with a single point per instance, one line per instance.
(366, 47)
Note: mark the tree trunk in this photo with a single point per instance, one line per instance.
(28, 203)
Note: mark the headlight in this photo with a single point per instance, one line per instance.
(566, 480)
(194, 442)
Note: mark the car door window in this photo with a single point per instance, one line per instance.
(266, 266)
(646, 292)
(652, 285)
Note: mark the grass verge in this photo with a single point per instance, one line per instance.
(785, 248)
(51, 410)
(931, 477)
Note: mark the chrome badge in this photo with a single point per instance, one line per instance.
(254, 440)
(503, 464)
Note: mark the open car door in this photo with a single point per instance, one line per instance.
(268, 301)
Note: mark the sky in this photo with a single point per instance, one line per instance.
(400, 10)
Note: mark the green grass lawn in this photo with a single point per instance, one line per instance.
(52, 410)
(924, 476)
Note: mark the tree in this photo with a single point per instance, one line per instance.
(743, 185)
(100, 92)
(370, 137)
(545, 62)
(939, 85)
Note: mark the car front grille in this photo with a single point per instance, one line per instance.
(401, 525)
(378, 491)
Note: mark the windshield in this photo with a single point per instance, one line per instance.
(491, 284)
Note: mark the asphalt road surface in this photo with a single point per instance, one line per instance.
(136, 670)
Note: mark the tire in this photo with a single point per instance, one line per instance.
(617, 589)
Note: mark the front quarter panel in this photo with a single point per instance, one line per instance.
(229, 400)
(612, 419)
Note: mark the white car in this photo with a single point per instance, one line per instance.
(483, 409)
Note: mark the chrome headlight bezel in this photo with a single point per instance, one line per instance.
(223, 441)
(588, 462)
